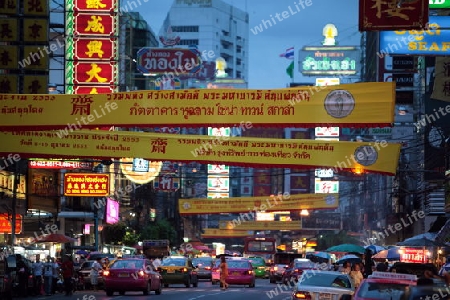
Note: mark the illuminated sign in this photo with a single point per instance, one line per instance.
(218, 169)
(86, 184)
(103, 5)
(56, 164)
(112, 211)
(87, 72)
(94, 24)
(434, 41)
(170, 60)
(126, 165)
(218, 195)
(327, 81)
(326, 131)
(92, 89)
(329, 60)
(324, 173)
(140, 165)
(218, 183)
(221, 131)
(326, 186)
(380, 131)
(167, 183)
(6, 224)
(94, 48)
(412, 255)
(439, 4)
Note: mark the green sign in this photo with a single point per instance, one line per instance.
(439, 3)
(329, 60)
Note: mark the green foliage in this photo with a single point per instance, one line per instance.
(332, 239)
(130, 239)
(160, 230)
(114, 233)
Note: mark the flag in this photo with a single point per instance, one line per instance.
(289, 54)
(290, 70)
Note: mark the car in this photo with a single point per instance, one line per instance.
(94, 256)
(259, 266)
(178, 270)
(296, 268)
(385, 285)
(85, 274)
(426, 292)
(132, 274)
(241, 272)
(8, 273)
(276, 272)
(317, 284)
(215, 272)
(204, 266)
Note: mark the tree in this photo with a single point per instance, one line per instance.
(160, 230)
(130, 238)
(114, 233)
(332, 239)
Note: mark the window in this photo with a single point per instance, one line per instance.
(238, 49)
(174, 262)
(185, 28)
(188, 42)
(238, 61)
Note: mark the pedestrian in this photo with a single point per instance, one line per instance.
(223, 272)
(56, 272)
(38, 267)
(346, 268)
(106, 263)
(356, 275)
(48, 276)
(368, 263)
(23, 271)
(95, 272)
(67, 270)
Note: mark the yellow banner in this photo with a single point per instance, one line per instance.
(213, 233)
(243, 224)
(249, 206)
(356, 105)
(378, 157)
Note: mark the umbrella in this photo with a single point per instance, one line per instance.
(389, 254)
(54, 238)
(346, 248)
(350, 258)
(419, 242)
(321, 254)
(375, 248)
(82, 252)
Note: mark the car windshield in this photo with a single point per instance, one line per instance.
(377, 290)
(326, 280)
(303, 264)
(127, 264)
(237, 264)
(201, 262)
(181, 262)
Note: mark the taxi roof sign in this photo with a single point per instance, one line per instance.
(397, 276)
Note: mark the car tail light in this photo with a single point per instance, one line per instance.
(302, 295)
(141, 273)
(184, 270)
(299, 271)
(106, 273)
(275, 268)
(207, 268)
(250, 272)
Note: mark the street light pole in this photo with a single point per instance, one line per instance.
(14, 204)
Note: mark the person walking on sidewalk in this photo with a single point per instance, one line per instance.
(48, 276)
(38, 267)
(95, 272)
(67, 270)
(223, 272)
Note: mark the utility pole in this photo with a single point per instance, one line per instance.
(14, 204)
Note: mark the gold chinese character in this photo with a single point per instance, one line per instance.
(95, 25)
(94, 72)
(95, 47)
(95, 4)
(393, 10)
(93, 91)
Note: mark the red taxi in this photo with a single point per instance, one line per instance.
(134, 274)
(385, 285)
(240, 271)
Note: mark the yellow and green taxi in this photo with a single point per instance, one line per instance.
(178, 270)
(259, 266)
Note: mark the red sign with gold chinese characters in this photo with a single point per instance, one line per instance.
(94, 49)
(94, 24)
(392, 14)
(94, 72)
(86, 185)
(93, 89)
(5, 224)
(98, 5)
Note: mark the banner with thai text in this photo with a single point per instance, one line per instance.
(243, 224)
(380, 157)
(355, 105)
(251, 205)
(224, 233)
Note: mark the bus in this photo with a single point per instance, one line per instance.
(260, 246)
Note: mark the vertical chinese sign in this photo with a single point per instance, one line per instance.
(219, 175)
(441, 88)
(91, 47)
(24, 53)
(392, 14)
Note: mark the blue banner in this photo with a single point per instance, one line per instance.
(433, 41)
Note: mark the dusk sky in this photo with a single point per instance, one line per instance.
(266, 69)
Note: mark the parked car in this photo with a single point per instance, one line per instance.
(132, 274)
(259, 266)
(240, 271)
(315, 284)
(178, 269)
(85, 274)
(296, 269)
(7, 276)
(204, 267)
(276, 272)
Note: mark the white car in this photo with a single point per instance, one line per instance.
(316, 284)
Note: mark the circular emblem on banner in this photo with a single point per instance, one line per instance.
(186, 205)
(127, 165)
(330, 199)
(339, 103)
(366, 155)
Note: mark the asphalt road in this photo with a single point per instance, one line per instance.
(204, 291)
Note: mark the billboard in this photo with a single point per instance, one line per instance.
(330, 60)
(168, 60)
(112, 211)
(86, 184)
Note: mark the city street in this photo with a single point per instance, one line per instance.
(205, 290)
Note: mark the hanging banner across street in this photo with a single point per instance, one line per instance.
(379, 157)
(356, 105)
